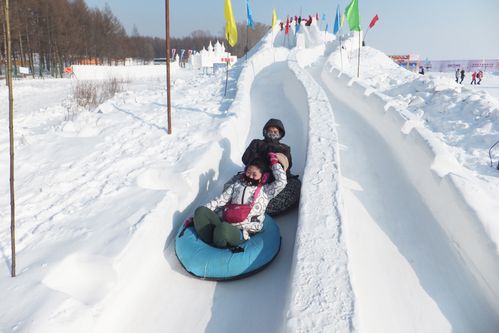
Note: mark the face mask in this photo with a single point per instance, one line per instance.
(274, 136)
(250, 181)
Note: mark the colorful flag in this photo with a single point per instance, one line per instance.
(286, 31)
(249, 16)
(337, 19)
(373, 21)
(274, 19)
(352, 15)
(230, 26)
(323, 17)
(342, 20)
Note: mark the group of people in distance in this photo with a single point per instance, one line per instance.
(246, 196)
(460, 75)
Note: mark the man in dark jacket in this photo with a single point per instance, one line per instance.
(273, 132)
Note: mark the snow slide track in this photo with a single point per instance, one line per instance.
(263, 296)
(416, 204)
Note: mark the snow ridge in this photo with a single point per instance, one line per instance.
(321, 297)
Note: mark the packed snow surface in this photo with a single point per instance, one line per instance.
(396, 230)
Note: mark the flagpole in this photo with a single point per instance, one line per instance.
(358, 62)
(366, 34)
(246, 42)
(226, 76)
(341, 54)
(168, 95)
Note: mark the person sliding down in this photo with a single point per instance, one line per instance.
(244, 203)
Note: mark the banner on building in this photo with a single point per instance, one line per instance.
(468, 65)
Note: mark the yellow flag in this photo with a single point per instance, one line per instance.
(274, 19)
(230, 25)
(342, 20)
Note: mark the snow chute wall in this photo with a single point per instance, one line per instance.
(432, 171)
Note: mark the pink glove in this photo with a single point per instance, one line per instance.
(273, 158)
(188, 222)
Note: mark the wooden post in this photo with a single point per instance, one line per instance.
(5, 43)
(11, 137)
(168, 94)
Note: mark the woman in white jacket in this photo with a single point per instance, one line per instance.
(244, 204)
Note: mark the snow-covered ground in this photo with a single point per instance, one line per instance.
(396, 230)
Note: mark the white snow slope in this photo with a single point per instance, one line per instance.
(396, 230)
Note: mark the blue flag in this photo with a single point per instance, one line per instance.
(250, 17)
(337, 19)
(323, 17)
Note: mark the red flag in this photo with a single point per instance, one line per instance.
(373, 21)
(317, 16)
(287, 26)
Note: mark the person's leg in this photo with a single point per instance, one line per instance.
(225, 235)
(205, 221)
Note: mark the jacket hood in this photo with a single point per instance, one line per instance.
(276, 123)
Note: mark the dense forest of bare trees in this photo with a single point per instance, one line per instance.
(57, 33)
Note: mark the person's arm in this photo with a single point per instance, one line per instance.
(288, 155)
(222, 199)
(251, 152)
(274, 188)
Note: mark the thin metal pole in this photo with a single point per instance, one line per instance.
(358, 62)
(168, 95)
(11, 137)
(341, 53)
(226, 77)
(247, 37)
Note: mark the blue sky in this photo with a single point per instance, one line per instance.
(438, 29)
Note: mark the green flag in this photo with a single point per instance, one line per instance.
(352, 15)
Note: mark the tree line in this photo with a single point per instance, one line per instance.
(58, 33)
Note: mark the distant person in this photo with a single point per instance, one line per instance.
(462, 76)
(457, 75)
(309, 21)
(479, 76)
(421, 70)
(473, 78)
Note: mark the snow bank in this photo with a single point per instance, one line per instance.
(433, 171)
(321, 298)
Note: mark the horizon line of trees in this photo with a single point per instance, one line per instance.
(58, 33)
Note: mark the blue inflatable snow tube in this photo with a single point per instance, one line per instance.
(211, 263)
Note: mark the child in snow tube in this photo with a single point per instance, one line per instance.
(273, 131)
(244, 203)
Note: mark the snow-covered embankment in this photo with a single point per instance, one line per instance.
(411, 193)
